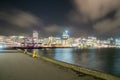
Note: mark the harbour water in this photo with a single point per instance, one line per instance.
(105, 60)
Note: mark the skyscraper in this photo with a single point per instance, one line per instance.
(65, 35)
(35, 36)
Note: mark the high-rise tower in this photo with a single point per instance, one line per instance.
(65, 35)
(35, 36)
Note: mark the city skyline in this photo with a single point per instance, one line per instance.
(65, 40)
(98, 18)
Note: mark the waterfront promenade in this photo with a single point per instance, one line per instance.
(15, 65)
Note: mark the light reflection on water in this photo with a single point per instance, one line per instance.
(67, 57)
(116, 64)
(105, 60)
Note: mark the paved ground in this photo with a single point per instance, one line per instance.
(19, 66)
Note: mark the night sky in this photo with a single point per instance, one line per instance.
(99, 18)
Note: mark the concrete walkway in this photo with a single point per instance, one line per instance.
(19, 66)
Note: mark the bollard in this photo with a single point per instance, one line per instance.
(34, 54)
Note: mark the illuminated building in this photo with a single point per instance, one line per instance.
(117, 42)
(35, 36)
(65, 39)
(65, 35)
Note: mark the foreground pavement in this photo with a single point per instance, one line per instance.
(19, 66)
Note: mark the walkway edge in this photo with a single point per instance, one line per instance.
(79, 69)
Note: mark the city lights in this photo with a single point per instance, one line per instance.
(60, 41)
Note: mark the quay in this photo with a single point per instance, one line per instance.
(15, 65)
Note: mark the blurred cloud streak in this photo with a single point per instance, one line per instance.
(53, 28)
(104, 14)
(19, 18)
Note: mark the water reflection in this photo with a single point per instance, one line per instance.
(116, 65)
(65, 55)
(92, 57)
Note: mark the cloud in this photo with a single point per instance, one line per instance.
(23, 19)
(104, 14)
(16, 22)
(94, 9)
(19, 18)
(53, 28)
(106, 25)
(75, 17)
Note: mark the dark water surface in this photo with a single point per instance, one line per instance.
(104, 60)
